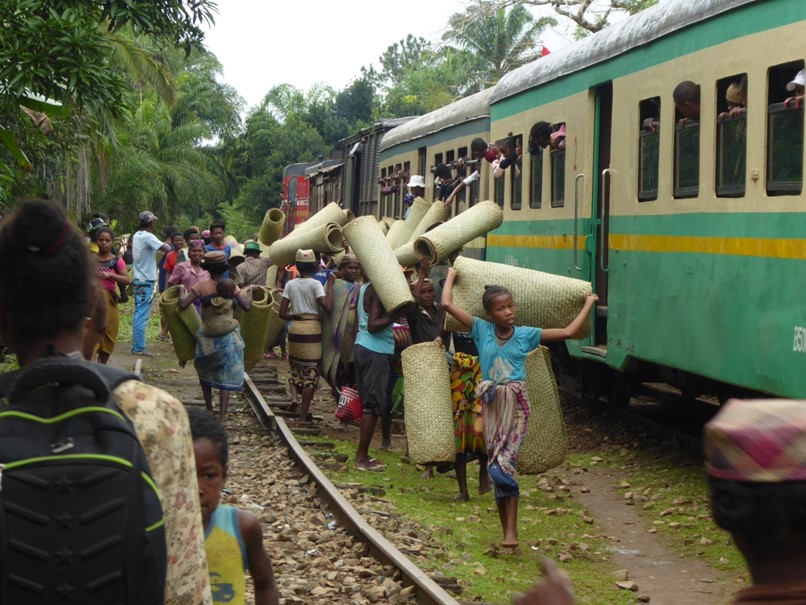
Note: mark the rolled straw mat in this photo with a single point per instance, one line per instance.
(276, 323)
(231, 241)
(407, 254)
(544, 446)
(271, 276)
(254, 326)
(388, 220)
(348, 214)
(438, 243)
(428, 412)
(393, 236)
(326, 238)
(182, 325)
(419, 209)
(272, 227)
(384, 226)
(379, 262)
(543, 300)
(332, 213)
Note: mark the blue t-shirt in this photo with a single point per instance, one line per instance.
(320, 275)
(506, 362)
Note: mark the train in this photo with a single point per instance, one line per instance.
(691, 230)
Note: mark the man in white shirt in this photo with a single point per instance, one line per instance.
(145, 246)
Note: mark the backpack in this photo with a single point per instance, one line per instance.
(80, 516)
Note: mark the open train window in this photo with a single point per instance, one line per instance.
(731, 136)
(649, 150)
(536, 178)
(558, 178)
(515, 183)
(687, 140)
(500, 185)
(396, 191)
(785, 98)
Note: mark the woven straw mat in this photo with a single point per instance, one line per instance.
(438, 243)
(419, 209)
(437, 213)
(544, 445)
(406, 255)
(183, 325)
(332, 213)
(428, 412)
(394, 235)
(254, 326)
(272, 227)
(326, 238)
(378, 261)
(275, 323)
(542, 300)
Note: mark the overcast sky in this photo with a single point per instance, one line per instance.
(262, 43)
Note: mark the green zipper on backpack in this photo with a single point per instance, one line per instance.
(114, 459)
(61, 417)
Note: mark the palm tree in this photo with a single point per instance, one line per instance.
(500, 38)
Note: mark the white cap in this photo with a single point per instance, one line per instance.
(800, 80)
(416, 180)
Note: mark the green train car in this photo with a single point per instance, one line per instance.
(692, 230)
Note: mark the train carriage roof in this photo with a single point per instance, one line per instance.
(470, 108)
(642, 28)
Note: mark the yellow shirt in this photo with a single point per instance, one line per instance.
(226, 557)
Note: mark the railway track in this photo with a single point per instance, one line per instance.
(322, 548)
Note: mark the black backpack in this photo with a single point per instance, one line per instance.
(80, 517)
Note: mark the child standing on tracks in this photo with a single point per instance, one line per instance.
(233, 538)
(502, 354)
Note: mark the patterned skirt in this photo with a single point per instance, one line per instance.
(107, 344)
(219, 360)
(305, 350)
(468, 426)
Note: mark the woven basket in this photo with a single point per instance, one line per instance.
(183, 325)
(332, 213)
(394, 235)
(254, 326)
(275, 323)
(272, 227)
(437, 213)
(379, 262)
(543, 300)
(326, 238)
(545, 443)
(428, 412)
(438, 243)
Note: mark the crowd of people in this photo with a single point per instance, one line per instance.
(340, 331)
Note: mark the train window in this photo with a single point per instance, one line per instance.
(687, 140)
(536, 180)
(500, 185)
(437, 159)
(558, 178)
(450, 156)
(731, 136)
(515, 183)
(649, 150)
(421, 153)
(785, 97)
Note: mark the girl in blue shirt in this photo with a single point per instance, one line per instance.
(502, 350)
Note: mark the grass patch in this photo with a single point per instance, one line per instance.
(551, 524)
(153, 327)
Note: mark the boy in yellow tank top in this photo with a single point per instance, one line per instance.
(233, 538)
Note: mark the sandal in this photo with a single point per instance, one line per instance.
(164, 338)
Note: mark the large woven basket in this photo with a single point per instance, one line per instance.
(394, 235)
(545, 443)
(543, 300)
(272, 227)
(254, 326)
(332, 213)
(428, 412)
(379, 262)
(275, 323)
(437, 244)
(437, 213)
(325, 238)
(183, 325)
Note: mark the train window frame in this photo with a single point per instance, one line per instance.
(731, 142)
(649, 149)
(536, 180)
(558, 178)
(689, 129)
(499, 189)
(784, 121)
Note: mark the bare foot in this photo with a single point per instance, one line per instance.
(510, 550)
(462, 497)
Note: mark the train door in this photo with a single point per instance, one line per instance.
(601, 209)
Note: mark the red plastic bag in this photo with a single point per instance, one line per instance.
(350, 408)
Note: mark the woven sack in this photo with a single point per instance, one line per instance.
(272, 227)
(379, 262)
(437, 213)
(326, 238)
(428, 411)
(543, 300)
(544, 446)
(332, 213)
(183, 325)
(276, 323)
(393, 236)
(254, 327)
(437, 244)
